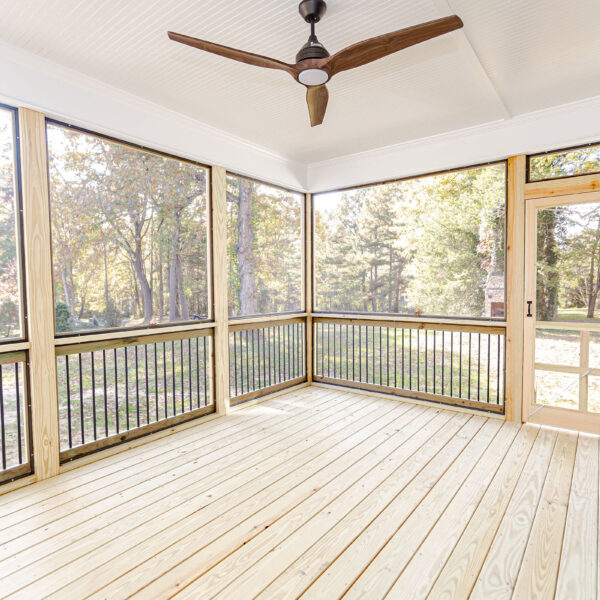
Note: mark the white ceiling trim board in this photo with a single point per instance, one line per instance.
(61, 93)
(557, 127)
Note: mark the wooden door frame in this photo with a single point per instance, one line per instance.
(533, 412)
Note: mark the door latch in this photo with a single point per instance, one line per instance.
(529, 303)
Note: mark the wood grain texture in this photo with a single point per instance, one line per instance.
(539, 569)
(219, 287)
(308, 282)
(515, 286)
(40, 297)
(578, 571)
(317, 98)
(563, 187)
(367, 51)
(316, 493)
(502, 563)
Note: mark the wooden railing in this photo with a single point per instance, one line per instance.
(265, 357)
(114, 390)
(15, 439)
(449, 363)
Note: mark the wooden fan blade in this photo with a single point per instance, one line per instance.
(367, 51)
(317, 97)
(239, 55)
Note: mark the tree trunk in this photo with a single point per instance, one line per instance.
(245, 250)
(67, 291)
(173, 308)
(138, 266)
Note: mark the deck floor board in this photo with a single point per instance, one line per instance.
(317, 493)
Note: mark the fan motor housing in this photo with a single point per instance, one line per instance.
(312, 10)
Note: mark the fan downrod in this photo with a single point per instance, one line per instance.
(312, 11)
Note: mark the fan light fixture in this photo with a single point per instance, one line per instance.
(313, 77)
(314, 66)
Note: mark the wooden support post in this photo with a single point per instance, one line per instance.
(308, 288)
(584, 363)
(219, 288)
(515, 286)
(40, 297)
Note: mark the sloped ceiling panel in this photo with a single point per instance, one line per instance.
(513, 55)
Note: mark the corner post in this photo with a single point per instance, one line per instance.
(40, 296)
(515, 286)
(219, 287)
(308, 288)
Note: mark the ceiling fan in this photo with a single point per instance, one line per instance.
(314, 66)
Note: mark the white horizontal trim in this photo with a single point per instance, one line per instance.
(34, 82)
(556, 127)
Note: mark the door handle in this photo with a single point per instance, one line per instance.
(529, 303)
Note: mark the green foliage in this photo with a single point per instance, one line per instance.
(427, 245)
(61, 317)
(565, 164)
(271, 257)
(9, 286)
(129, 231)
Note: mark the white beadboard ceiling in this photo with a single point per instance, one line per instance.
(513, 57)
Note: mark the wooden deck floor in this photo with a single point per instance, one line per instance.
(317, 494)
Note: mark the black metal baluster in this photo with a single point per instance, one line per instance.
(469, 378)
(204, 342)
(451, 361)
(264, 360)
(353, 355)
(94, 394)
(191, 385)
(181, 364)
(321, 330)
(443, 357)
(387, 354)
(81, 415)
(434, 358)
(426, 332)
(489, 360)
(18, 403)
(278, 354)
(334, 352)
(360, 353)
(137, 385)
(395, 357)
(147, 390)
(115, 359)
(247, 360)
(156, 381)
(460, 365)
(235, 355)
(403, 358)
(198, 403)
(380, 358)
(2, 424)
(410, 336)
(68, 401)
(252, 355)
(478, 362)
(105, 398)
(270, 347)
(173, 378)
(418, 360)
(295, 361)
(258, 332)
(165, 386)
(289, 351)
(126, 389)
(498, 386)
